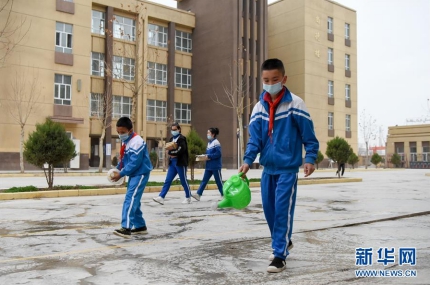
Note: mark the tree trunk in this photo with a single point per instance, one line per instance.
(101, 154)
(367, 155)
(192, 172)
(21, 150)
(50, 177)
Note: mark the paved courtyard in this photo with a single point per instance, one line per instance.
(70, 240)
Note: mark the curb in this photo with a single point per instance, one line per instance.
(149, 189)
(427, 174)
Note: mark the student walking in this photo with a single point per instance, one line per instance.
(213, 163)
(134, 163)
(279, 127)
(178, 163)
(340, 169)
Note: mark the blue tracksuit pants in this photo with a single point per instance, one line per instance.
(171, 173)
(208, 174)
(278, 193)
(132, 216)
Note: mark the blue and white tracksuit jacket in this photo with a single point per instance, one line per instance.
(281, 156)
(136, 165)
(213, 166)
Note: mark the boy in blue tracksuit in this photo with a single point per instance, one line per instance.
(213, 164)
(135, 163)
(279, 127)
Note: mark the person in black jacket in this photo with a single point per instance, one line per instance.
(178, 163)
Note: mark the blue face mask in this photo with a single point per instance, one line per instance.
(123, 137)
(273, 89)
(175, 133)
(209, 137)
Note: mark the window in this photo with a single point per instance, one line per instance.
(348, 123)
(98, 22)
(157, 35)
(63, 37)
(157, 73)
(330, 88)
(183, 77)
(346, 61)
(330, 56)
(347, 92)
(97, 64)
(156, 110)
(63, 89)
(347, 31)
(183, 113)
(123, 68)
(330, 120)
(96, 105)
(330, 25)
(124, 28)
(121, 106)
(183, 41)
(426, 151)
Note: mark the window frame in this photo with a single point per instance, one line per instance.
(330, 88)
(158, 68)
(100, 30)
(330, 55)
(347, 62)
(347, 92)
(180, 107)
(157, 106)
(67, 87)
(120, 101)
(347, 31)
(99, 58)
(60, 35)
(181, 38)
(330, 120)
(122, 62)
(96, 101)
(347, 122)
(329, 25)
(154, 32)
(120, 28)
(179, 71)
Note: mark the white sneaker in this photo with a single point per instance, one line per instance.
(186, 201)
(196, 196)
(220, 198)
(159, 200)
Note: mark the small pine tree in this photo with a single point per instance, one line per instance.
(320, 158)
(395, 159)
(196, 146)
(352, 159)
(153, 156)
(338, 149)
(376, 159)
(49, 144)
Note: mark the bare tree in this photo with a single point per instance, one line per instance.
(21, 102)
(236, 93)
(12, 29)
(368, 130)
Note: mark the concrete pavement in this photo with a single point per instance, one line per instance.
(69, 240)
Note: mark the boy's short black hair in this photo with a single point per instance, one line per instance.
(273, 63)
(124, 122)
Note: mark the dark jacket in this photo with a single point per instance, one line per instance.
(181, 152)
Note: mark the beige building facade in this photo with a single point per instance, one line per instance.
(411, 143)
(317, 41)
(137, 54)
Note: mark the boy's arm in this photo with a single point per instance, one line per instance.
(136, 159)
(306, 129)
(253, 146)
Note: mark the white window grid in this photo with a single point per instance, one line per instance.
(330, 88)
(124, 28)
(121, 106)
(183, 77)
(97, 63)
(156, 111)
(330, 55)
(348, 123)
(330, 25)
(183, 41)
(183, 113)
(330, 120)
(347, 31)
(157, 73)
(62, 89)
(97, 22)
(347, 59)
(157, 35)
(96, 105)
(347, 92)
(63, 37)
(123, 68)
(426, 156)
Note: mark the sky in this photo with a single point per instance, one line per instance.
(393, 47)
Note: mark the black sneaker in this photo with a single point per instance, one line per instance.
(276, 266)
(289, 247)
(142, 230)
(122, 232)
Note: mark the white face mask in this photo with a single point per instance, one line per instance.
(273, 89)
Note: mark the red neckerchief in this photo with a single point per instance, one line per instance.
(273, 106)
(122, 151)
